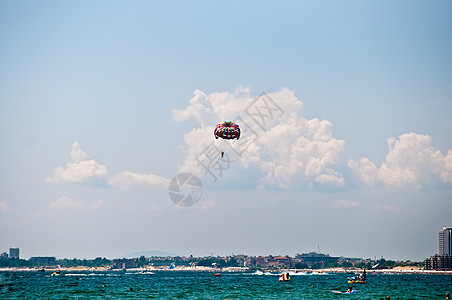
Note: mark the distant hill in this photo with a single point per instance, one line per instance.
(149, 254)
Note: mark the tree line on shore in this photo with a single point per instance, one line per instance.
(66, 263)
(198, 261)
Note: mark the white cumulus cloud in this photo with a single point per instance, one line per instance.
(129, 179)
(79, 170)
(83, 170)
(66, 203)
(411, 162)
(285, 148)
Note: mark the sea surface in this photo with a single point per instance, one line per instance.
(204, 285)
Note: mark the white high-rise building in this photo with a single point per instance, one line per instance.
(445, 241)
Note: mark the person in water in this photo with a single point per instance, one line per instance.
(447, 295)
(222, 153)
(364, 274)
(350, 289)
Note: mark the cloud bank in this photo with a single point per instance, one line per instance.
(82, 170)
(66, 203)
(277, 142)
(278, 148)
(79, 170)
(411, 162)
(129, 179)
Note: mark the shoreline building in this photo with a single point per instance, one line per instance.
(14, 253)
(445, 241)
(443, 260)
(125, 263)
(439, 262)
(43, 261)
(312, 258)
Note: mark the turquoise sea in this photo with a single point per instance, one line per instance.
(204, 285)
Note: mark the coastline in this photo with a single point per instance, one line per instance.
(397, 270)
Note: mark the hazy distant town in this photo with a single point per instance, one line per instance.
(311, 260)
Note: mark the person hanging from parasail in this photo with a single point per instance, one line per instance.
(227, 130)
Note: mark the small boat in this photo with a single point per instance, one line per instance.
(356, 281)
(339, 292)
(56, 273)
(217, 274)
(284, 277)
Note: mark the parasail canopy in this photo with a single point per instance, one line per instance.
(227, 130)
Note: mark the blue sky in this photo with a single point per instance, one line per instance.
(103, 103)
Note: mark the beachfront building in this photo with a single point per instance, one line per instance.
(259, 261)
(125, 263)
(43, 261)
(445, 241)
(280, 261)
(443, 260)
(312, 258)
(14, 253)
(439, 262)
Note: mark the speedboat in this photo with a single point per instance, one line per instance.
(356, 281)
(284, 277)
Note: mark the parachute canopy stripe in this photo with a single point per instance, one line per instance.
(227, 130)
